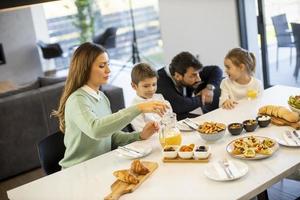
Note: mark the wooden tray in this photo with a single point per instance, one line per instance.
(181, 160)
(118, 188)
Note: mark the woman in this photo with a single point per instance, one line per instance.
(84, 112)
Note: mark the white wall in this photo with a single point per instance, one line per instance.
(19, 43)
(205, 27)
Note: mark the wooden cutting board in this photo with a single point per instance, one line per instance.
(118, 188)
(281, 122)
(181, 160)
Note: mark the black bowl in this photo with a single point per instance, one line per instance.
(263, 123)
(250, 125)
(235, 128)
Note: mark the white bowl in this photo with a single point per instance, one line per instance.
(185, 154)
(212, 136)
(170, 154)
(202, 154)
(294, 109)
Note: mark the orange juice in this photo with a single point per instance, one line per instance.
(170, 139)
(251, 94)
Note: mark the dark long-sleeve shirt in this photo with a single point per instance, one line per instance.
(181, 104)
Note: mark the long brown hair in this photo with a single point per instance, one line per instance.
(240, 56)
(79, 73)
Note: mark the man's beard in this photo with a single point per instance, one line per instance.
(182, 83)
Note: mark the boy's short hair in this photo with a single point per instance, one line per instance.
(141, 71)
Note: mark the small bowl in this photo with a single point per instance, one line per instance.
(201, 152)
(263, 121)
(294, 109)
(185, 154)
(250, 125)
(235, 128)
(170, 153)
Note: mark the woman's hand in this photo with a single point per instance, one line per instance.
(149, 129)
(157, 107)
(229, 104)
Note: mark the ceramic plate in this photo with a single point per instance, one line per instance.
(142, 148)
(285, 141)
(258, 156)
(216, 172)
(183, 127)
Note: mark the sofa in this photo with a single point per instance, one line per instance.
(26, 118)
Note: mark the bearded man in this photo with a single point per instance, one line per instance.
(187, 85)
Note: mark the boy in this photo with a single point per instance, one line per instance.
(144, 82)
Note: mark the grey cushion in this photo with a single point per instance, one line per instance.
(115, 96)
(44, 81)
(22, 124)
(31, 86)
(50, 96)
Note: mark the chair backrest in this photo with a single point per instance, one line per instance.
(51, 150)
(283, 34)
(50, 50)
(107, 38)
(296, 33)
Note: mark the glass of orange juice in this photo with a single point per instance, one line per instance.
(169, 133)
(252, 94)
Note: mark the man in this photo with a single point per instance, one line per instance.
(187, 85)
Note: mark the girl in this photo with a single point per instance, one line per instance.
(84, 112)
(239, 66)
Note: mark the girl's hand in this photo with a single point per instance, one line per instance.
(149, 129)
(157, 107)
(229, 104)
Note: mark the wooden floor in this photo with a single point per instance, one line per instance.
(284, 190)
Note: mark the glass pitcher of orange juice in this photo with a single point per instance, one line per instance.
(169, 134)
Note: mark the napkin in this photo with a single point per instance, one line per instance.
(288, 140)
(221, 172)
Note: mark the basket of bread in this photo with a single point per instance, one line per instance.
(281, 116)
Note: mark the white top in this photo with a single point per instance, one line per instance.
(93, 178)
(235, 91)
(140, 121)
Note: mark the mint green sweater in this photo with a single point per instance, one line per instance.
(91, 128)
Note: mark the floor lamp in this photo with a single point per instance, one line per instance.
(135, 55)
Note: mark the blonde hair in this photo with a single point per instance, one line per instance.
(240, 56)
(141, 71)
(79, 73)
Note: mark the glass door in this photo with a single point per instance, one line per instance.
(276, 40)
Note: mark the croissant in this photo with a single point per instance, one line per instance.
(279, 111)
(138, 168)
(126, 176)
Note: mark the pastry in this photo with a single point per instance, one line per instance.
(249, 153)
(138, 168)
(126, 176)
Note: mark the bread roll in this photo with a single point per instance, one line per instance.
(126, 176)
(138, 168)
(279, 111)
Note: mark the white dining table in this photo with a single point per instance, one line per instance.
(92, 179)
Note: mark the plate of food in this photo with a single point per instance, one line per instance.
(252, 147)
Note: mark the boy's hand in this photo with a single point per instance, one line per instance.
(157, 107)
(229, 104)
(149, 129)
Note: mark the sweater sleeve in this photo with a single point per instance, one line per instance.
(97, 127)
(225, 93)
(211, 75)
(121, 138)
